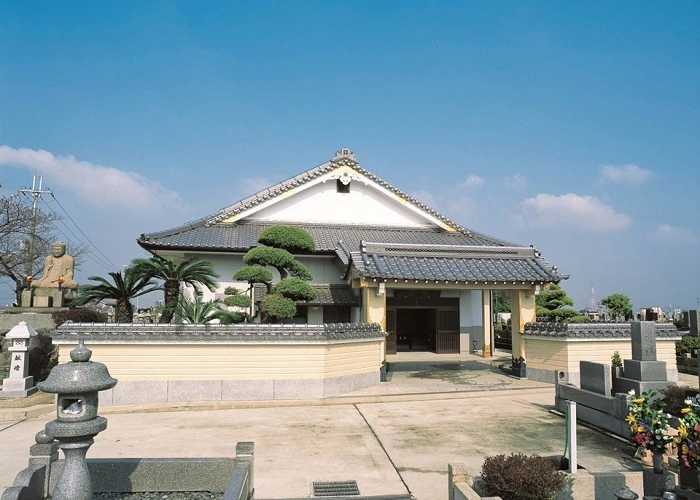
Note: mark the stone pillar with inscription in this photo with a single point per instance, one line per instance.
(643, 372)
(19, 384)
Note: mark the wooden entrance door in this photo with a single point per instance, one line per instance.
(391, 331)
(447, 336)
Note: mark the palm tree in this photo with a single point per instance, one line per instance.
(196, 310)
(193, 271)
(122, 289)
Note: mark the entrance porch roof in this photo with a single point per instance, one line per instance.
(449, 263)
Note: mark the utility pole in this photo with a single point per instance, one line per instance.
(36, 191)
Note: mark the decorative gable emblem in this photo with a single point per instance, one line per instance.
(344, 153)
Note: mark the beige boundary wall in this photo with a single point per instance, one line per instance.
(219, 368)
(549, 357)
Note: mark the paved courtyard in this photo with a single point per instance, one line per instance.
(395, 438)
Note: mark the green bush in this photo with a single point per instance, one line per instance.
(253, 274)
(237, 301)
(277, 307)
(42, 357)
(519, 477)
(675, 395)
(686, 344)
(230, 317)
(295, 289)
(290, 238)
(78, 315)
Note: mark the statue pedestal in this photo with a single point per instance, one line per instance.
(47, 297)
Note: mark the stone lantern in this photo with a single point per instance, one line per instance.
(76, 385)
(19, 383)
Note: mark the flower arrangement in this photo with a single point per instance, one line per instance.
(688, 439)
(648, 421)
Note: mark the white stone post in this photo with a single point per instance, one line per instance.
(19, 384)
(571, 434)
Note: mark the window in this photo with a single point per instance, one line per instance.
(342, 187)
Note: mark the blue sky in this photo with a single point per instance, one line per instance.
(572, 126)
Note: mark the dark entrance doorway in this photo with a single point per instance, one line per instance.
(419, 323)
(415, 330)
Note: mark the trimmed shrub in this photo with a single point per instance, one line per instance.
(230, 317)
(686, 344)
(78, 315)
(237, 301)
(295, 289)
(42, 358)
(675, 395)
(275, 306)
(519, 477)
(290, 238)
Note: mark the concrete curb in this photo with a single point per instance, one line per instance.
(10, 414)
(335, 401)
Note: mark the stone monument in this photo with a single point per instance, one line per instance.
(19, 383)
(643, 371)
(56, 285)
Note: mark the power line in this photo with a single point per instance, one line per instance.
(91, 255)
(114, 266)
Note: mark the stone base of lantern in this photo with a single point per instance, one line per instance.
(17, 388)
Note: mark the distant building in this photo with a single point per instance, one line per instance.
(654, 313)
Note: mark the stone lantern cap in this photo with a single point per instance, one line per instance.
(21, 331)
(79, 376)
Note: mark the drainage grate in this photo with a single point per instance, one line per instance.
(335, 488)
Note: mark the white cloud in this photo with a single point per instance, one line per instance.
(473, 181)
(572, 211)
(97, 185)
(515, 181)
(626, 174)
(665, 233)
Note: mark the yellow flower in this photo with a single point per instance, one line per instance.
(686, 410)
(631, 418)
(638, 400)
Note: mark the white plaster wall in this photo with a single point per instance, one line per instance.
(315, 315)
(323, 204)
(470, 308)
(324, 269)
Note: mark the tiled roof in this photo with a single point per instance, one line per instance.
(595, 329)
(342, 158)
(209, 233)
(326, 295)
(445, 263)
(336, 295)
(244, 235)
(249, 332)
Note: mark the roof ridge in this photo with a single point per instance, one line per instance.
(344, 157)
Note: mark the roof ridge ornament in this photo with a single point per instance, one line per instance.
(345, 153)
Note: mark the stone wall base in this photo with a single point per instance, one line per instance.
(132, 392)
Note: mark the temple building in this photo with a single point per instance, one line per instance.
(381, 256)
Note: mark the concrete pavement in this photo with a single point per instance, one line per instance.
(395, 438)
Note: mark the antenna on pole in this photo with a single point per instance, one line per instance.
(36, 191)
(593, 304)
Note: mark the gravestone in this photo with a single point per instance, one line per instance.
(643, 372)
(595, 377)
(693, 321)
